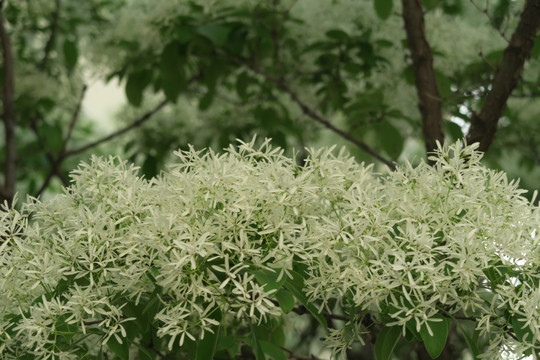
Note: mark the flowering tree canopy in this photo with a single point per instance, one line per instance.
(214, 255)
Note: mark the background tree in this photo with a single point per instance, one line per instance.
(387, 79)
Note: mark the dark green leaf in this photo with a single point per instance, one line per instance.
(296, 286)
(120, 350)
(147, 354)
(269, 279)
(435, 343)
(454, 130)
(535, 52)
(443, 84)
(216, 33)
(473, 345)
(272, 350)
(52, 135)
(257, 349)
(408, 74)
(206, 101)
(386, 342)
(226, 342)
(383, 8)
(71, 53)
(523, 333)
(337, 34)
(171, 71)
(135, 85)
(286, 300)
(206, 347)
(390, 139)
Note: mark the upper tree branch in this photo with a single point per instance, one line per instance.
(284, 85)
(429, 101)
(9, 116)
(484, 124)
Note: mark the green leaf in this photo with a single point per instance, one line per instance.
(390, 139)
(435, 343)
(296, 286)
(226, 342)
(275, 352)
(524, 334)
(206, 347)
(120, 350)
(172, 74)
(386, 342)
(269, 279)
(337, 34)
(473, 345)
(257, 349)
(443, 84)
(454, 130)
(52, 135)
(535, 52)
(383, 8)
(71, 53)
(216, 33)
(135, 85)
(206, 101)
(146, 354)
(286, 300)
(242, 82)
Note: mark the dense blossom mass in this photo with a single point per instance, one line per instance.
(222, 234)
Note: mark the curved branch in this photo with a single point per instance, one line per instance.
(118, 133)
(429, 101)
(9, 116)
(284, 85)
(484, 124)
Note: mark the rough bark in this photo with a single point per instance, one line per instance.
(9, 117)
(484, 124)
(429, 101)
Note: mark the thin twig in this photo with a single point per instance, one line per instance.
(74, 119)
(9, 116)
(125, 129)
(490, 18)
(118, 133)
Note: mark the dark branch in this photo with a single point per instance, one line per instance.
(484, 124)
(284, 85)
(74, 119)
(56, 161)
(9, 116)
(118, 133)
(129, 127)
(429, 101)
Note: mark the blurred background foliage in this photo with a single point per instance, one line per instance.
(304, 73)
(220, 70)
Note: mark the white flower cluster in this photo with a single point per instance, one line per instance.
(455, 239)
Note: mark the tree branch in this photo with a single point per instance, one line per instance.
(74, 119)
(284, 85)
(9, 116)
(118, 133)
(56, 161)
(429, 101)
(484, 124)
